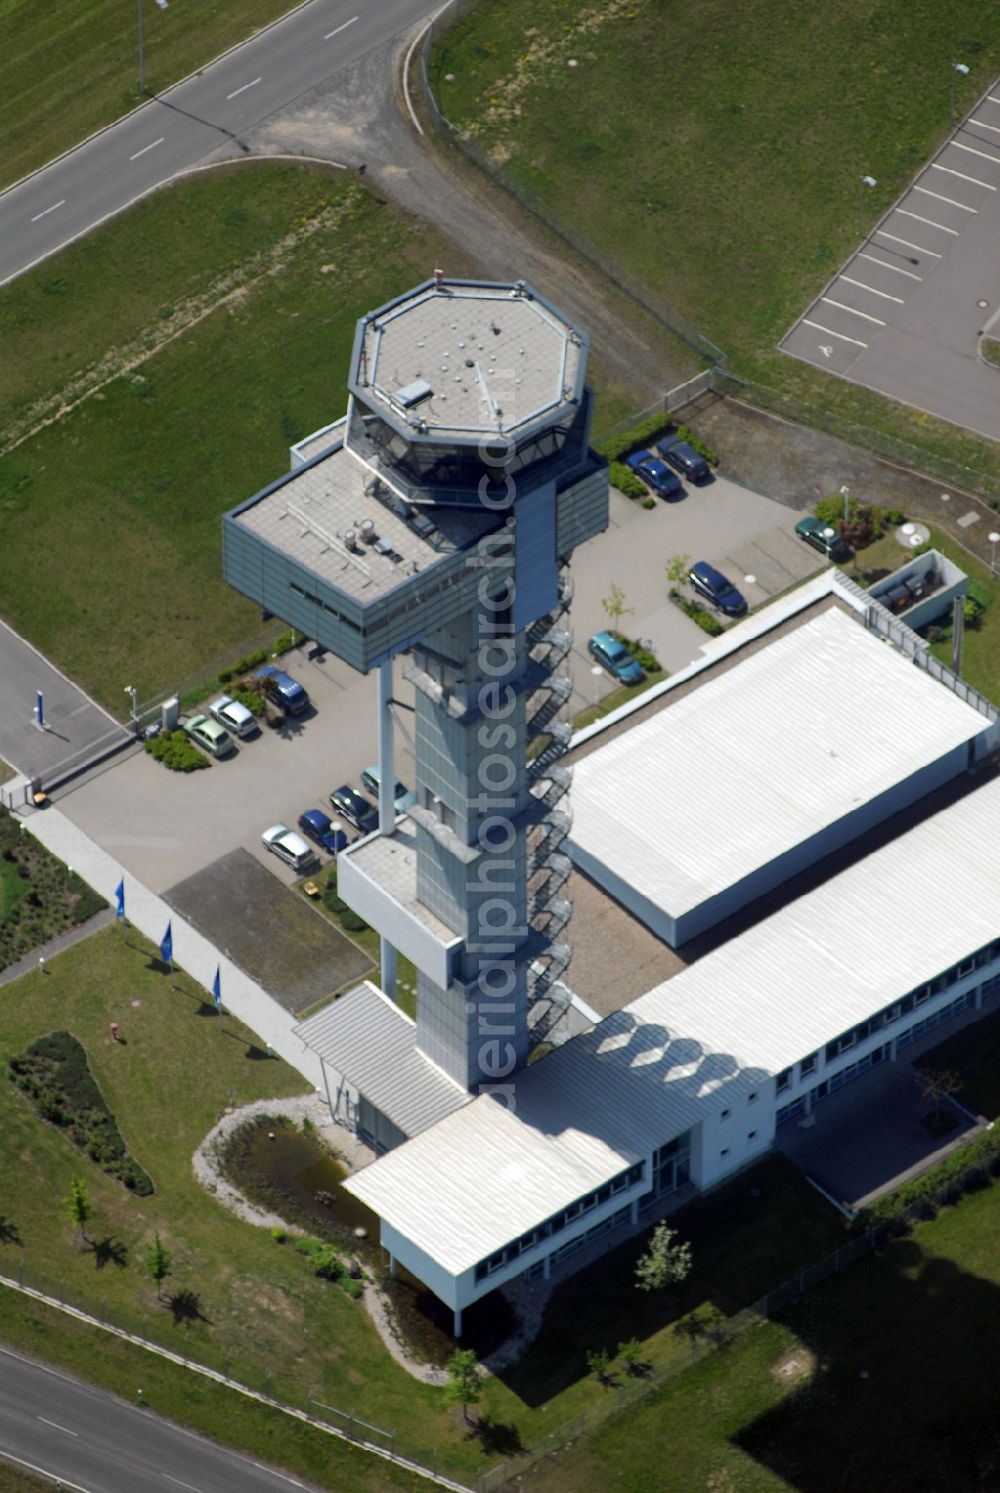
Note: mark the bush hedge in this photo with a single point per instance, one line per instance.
(627, 482)
(697, 613)
(617, 446)
(642, 656)
(175, 751)
(968, 1169)
(243, 666)
(39, 896)
(54, 1074)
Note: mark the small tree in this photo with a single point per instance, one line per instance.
(937, 1085)
(599, 1364)
(158, 1262)
(630, 1354)
(465, 1380)
(78, 1205)
(678, 567)
(614, 606)
(665, 1261)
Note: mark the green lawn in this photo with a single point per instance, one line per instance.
(66, 70)
(974, 1054)
(727, 184)
(890, 1383)
(221, 313)
(981, 646)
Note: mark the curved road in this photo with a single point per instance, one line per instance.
(63, 1429)
(181, 127)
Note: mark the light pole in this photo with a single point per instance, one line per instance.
(133, 695)
(846, 492)
(869, 182)
(956, 68)
(164, 5)
(994, 541)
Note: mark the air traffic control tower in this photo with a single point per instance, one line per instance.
(437, 520)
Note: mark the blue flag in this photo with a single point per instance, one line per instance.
(167, 947)
(217, 990)
(120, 899)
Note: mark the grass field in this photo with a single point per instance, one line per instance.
(67, 70)
(715, 150)
(884, 1378)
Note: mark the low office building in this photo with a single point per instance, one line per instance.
(690, 1081)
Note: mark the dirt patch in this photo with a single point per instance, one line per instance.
(795, 1366)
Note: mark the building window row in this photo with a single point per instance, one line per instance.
(325, 605)
(908, 1003)
(559, 1221)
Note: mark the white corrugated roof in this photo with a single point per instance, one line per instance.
(903, 914)
(759, 759)
(373, 1044)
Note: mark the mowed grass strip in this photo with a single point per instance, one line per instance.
(109, 518)
(882, 1378)
(67, 70)
(169, 1078)
(715, 151)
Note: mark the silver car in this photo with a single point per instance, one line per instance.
(234, 716)
(289, 847)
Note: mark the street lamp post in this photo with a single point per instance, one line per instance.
(994, 541)
(956, 68)
(164, 5)
(846, 494)
(869, 182)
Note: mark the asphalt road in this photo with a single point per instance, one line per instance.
(184, 126)
(64, 1429)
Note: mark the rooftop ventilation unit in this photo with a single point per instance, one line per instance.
(351, 539)
(412, 394)
(368, 530)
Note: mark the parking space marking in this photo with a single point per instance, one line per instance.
(974, 179)
(950, 200)
(984, 126)
(974, 152)
(831, 333)
(863, 314)
(886, 266)
(929, 221)
(932, 252)
(883, 293)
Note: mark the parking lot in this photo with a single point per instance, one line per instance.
(905, 315)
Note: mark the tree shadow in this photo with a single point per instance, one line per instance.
(9, 1232)
(902, 1387)
(108, 1251)
(498, 1438)
(185, 1306)
(255, 1054)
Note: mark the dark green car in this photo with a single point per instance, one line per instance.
(823, 537)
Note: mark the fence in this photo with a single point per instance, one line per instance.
(710, 1333)
(878, 619)
(175, 1341)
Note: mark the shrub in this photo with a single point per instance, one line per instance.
(278, 1234)
(960, 1172)
(354, 1288)
(642, 655)
(626, 482)
(640, 434)
(287, 640)
(859, 529)
(350, 920)
(935, 634)
(175, 751)
(892, 518)
(708, 623)
(702, 447)
(243, 665)
(979, 593)
(648, 501)
(254, 702)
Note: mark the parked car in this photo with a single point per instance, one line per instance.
(283, 689)
(370, 780)
(612, 655)
(326, 832)
(823, 537)
(355, 808)
(682, 456)
(655, 475)
(714, 586)
(209, 735)
(289, 847)
(234, 716)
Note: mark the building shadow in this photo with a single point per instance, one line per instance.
(902, 1388)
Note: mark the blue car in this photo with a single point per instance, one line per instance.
(655, 473)
(714, 586)
(615, 657)
(317, 826)
(283, 689)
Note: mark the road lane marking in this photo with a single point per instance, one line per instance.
(974, 179)
(56, 1426)
(831, 333)
(60, 203)
(973, 152)
(929, 221)
(338, 29)
(883, 293)
(928, 193)
(62, 1483)
(895, 267)
(234, 94)
(863, 314)
(284, 1479)
(895, 237)
(151, 146)
(177, 1480)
